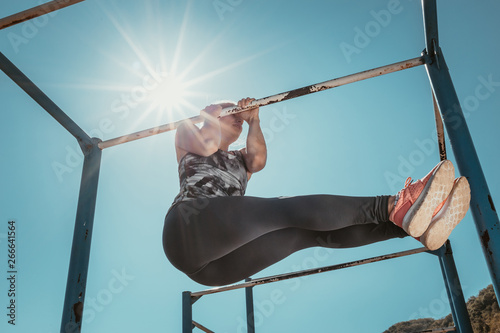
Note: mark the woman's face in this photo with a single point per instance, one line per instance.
(231, 127)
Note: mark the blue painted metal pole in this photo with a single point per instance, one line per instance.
(82, 236)
(187, 312)
(454, 289)
(429, 11)
(44, 101)
(250, 309)
(482, 207)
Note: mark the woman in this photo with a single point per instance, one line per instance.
(216, 235)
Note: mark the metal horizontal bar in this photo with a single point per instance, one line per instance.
(146, 133)
(43, 100)
(312, 271)
(275, 99)
(329, 84)
(35, 12)
(201, 327)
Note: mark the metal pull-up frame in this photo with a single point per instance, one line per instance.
(446, 100)
(445, 254)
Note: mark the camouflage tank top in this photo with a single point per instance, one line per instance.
(220, 174)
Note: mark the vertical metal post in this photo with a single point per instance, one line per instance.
(187, 312)
(429, 10)
(454, 289)
(82, 236)
(249, 304)
(482, 207)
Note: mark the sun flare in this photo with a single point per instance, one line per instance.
(164, 87)
(170, 94)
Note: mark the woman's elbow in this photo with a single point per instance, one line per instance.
(256, 165)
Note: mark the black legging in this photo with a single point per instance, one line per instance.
(223, 240)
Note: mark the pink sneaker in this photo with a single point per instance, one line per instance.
(448, 215)
(417, 201)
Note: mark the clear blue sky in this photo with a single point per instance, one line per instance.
(97, 59)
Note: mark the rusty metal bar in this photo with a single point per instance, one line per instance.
(281, 277)
(147, 133)
(329, 84)
(201, 327)
(439, 129)
(35, 12)
(275, 99)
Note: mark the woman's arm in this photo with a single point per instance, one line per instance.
(255, 153)
(202, 141)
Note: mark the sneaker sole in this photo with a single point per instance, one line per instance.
(451, 214)
(437, 189)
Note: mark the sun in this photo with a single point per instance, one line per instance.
(169, 89)
(170, 94)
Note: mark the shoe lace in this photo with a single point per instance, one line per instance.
(408, 182)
